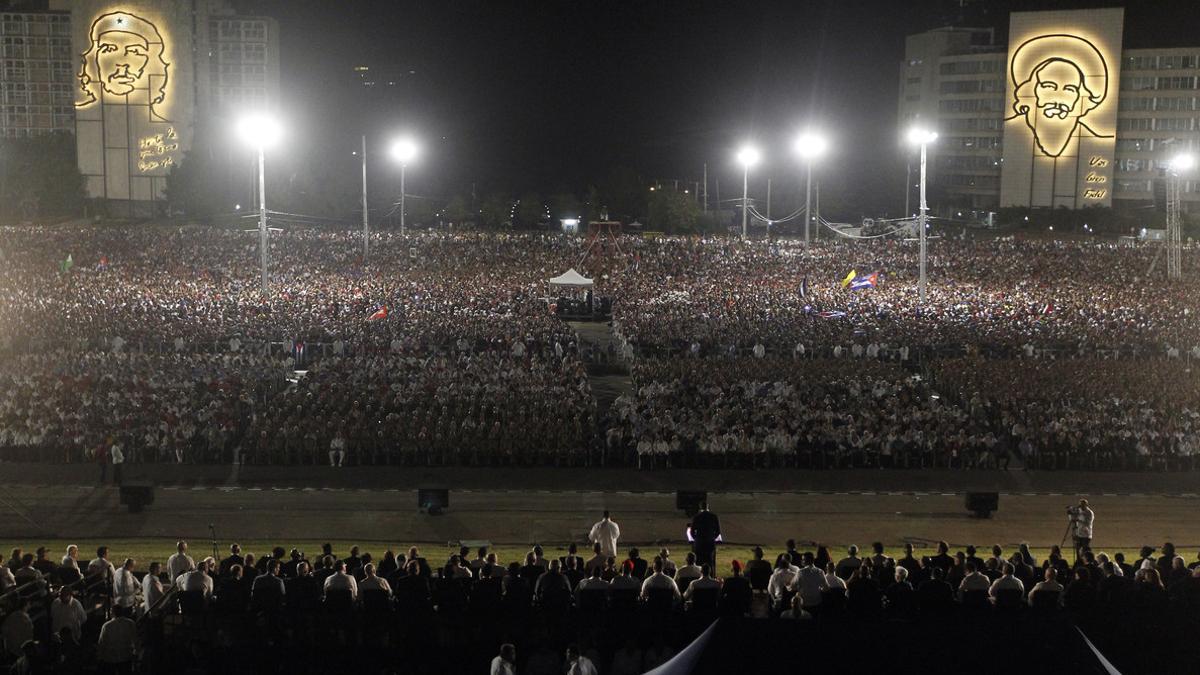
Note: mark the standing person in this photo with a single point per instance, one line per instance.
(1082, 518)
(706, 532)
(125, 586)
(179, 562)
(605, 533)
(152, 588)
(118, 458)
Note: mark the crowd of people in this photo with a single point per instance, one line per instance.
(158, 344)
(622, 614)
(965, 413)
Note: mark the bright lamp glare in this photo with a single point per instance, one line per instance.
(1183, 162)
(921, 136)
(404, 150)
(259, 130)
(810, 145)
(748, 156)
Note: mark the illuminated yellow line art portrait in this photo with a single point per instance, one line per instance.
(1058, 79)
(124, 63)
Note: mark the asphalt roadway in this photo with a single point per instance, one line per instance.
(556, 505)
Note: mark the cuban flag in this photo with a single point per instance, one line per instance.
(869, 281)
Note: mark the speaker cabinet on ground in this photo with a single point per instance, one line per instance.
(689, 501)
(982, 504)
(137, 496)
(433, 500)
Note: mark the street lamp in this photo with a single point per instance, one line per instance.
(748, 156)
(260, 131)
(1179, 165)
(809, 145)
(404, 151)
(922, 137)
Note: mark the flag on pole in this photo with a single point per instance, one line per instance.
(849, 278)
(380, 313)
(870, 281)
(66, 265)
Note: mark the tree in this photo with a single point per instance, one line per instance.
(565, 205)
(457, 211)
(673, 211)
(531, 212)
(496, 210)
(40, 177)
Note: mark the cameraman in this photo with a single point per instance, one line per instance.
(1082, 518)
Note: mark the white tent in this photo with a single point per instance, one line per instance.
(571, 279)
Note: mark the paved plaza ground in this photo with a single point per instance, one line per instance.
(514, 508)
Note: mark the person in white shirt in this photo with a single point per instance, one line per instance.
(973, 581)
(340, 581)
(706, 581)
(810, 582)
(578, 664)
(71, 559)
(832, 579)
(659, 580)
(606, 533)
(782, 578)
(67, 612)
(101, 566)
(593, 582)
(125, 586)
(1006, 582)
(118, 643)
(152, 587)
(1082, 518)
(505, 663)
(179, 562)
(117, 455)
(196, 580)
(689, 571)
(1049, 585)
(7, 580)
(373, 582)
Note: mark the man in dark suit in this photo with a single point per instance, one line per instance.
(706, 530)
(235, 558)
(736, 592)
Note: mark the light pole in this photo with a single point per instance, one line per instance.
(366, 227)
(748, 156)
(1179, 165)
(809, 145)
(403, 151)
(922, 137)
(259, 131)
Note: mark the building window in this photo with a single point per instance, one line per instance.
(1172, 124)
(1134, 124)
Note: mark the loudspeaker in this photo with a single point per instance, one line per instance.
(137, 495)
(983, 503)
(689, 501)
(433, 500)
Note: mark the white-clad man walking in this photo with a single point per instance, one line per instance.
(606, 533)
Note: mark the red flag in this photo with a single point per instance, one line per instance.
(380, 313)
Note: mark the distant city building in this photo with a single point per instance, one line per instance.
(1063, 116)
(37, 95)
(132, 80)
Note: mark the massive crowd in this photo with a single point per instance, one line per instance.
(966, 413)
(340, 611)
(157, 344)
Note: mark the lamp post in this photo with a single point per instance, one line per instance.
(1179, 165)
(403, 151)
(748, 156)
(922, 137)
(366, 226)
(809, 145)
(259, 131)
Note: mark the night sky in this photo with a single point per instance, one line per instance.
(552, 96)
